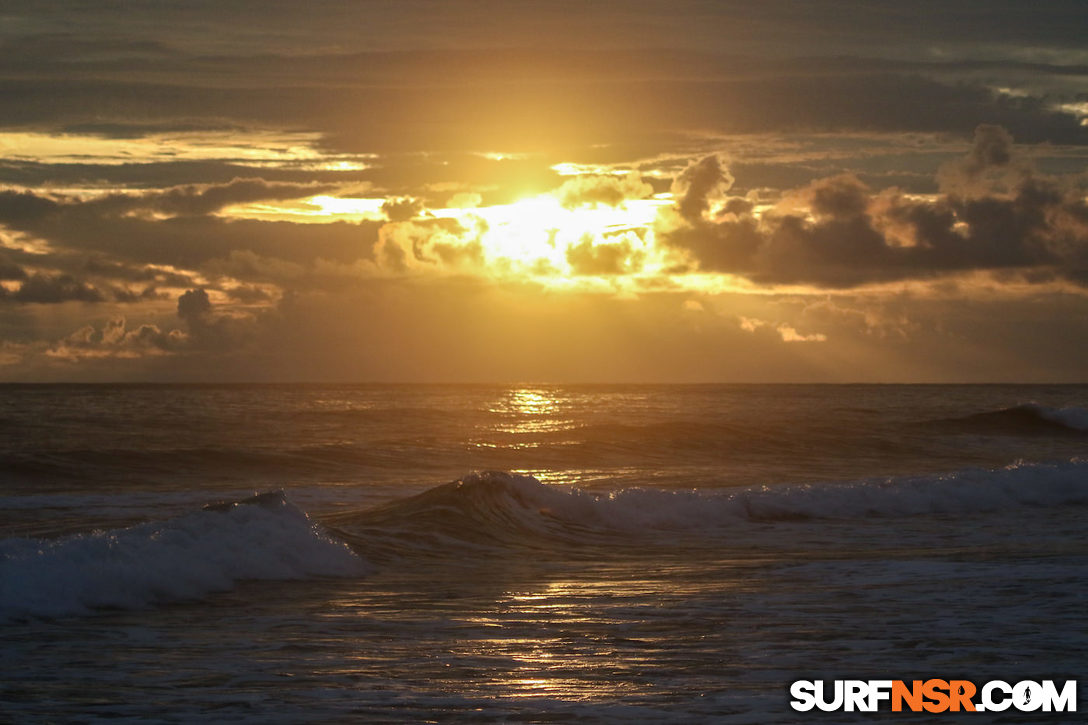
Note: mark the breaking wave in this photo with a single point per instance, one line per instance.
(496, 508)
(186, 557)
(1025, 419)
(266, 537)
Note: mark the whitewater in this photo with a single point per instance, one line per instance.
(541, 553)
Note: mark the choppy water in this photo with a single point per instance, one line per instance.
(668, 553)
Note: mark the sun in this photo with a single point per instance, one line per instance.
(535, 235)
(531, 231)
(538, 237)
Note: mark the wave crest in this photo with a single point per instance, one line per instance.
(187, 557)
(1024, 419)
(497, 508)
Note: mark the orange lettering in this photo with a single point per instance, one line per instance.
(913, 696)
(961, 692)
(935, 691)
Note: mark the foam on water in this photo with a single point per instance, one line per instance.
(495, 507)
(182, 558)
(266, 537)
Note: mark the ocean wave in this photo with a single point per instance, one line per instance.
(497, 508)
(1024, 419)
(186, 557)
(266, 537)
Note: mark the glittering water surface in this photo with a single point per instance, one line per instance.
(660, 553)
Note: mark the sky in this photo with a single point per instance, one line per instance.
(484, 191)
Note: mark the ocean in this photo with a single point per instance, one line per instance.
(472, 553)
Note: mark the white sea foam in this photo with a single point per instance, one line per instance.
(181, 558)
(524, 500)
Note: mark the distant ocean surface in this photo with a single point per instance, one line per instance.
(531, 553)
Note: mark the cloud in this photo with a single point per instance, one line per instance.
(205, 199)
(10, 271)
(18, 208)
(115, 340)
(789, 334)
(215, 332)
(185, 243)
(98, 266)
(51, 276)
(838, 232)
(604, 257)
(22, 209)
(590, 190)
(146, 173)
(194, 306)
(54, 289)
(401, 210)
(201, 199)
(751, 324)
(426, 244)
(539, 100)
(387, 328)
(248, 294)
(990, 166)
(699, 184)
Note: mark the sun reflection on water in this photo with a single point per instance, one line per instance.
(529, 410)
(533, 402)
(587, 650)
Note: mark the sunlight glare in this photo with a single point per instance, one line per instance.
(534, 234)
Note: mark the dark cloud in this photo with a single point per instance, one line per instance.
(9, 270)
(133, 273)
(151, 30)
(20, 208)
(737, 206)
(401, 210)
(214, 332)
(54, 289)
(60, 276)
(62, 48)
(990, 166)
(248, 295)
(129, 296)
(116, 339)
(421, 77)
(144, 174)
(196, 200)
(129, 131)
(699, 184)
(403, 175)
(194, 307)
(189, 242)
(32, 211)
(858, 236)
(535, 115)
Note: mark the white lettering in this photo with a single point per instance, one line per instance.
(1065, 701)
(855, 696)
(879, 690)
(803, 697)
(990, 702)
(834, 704)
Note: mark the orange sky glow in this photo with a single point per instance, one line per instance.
(403, 205)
